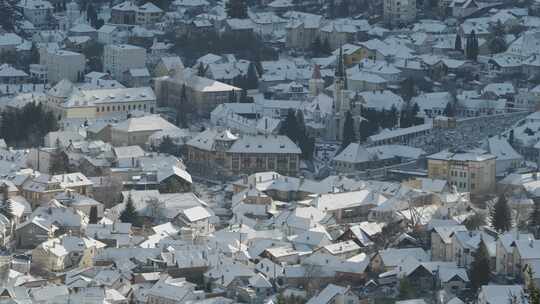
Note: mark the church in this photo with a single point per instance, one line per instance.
(329, 106)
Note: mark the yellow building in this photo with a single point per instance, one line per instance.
(107, 102)
(467, 171)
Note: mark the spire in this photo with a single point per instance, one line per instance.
(316, 72)
(340, 67)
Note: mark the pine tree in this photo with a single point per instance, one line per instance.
(406, 290)
(449, 110)
(252, 79)
(472, 46)
(59, 163)
(496, 39)
(457, 43)
(479, 270)
(326, 48)
(289, 127)
(236, 9)
(167, 146)
(534, 217)
(34, 54)
(407, 89)
(93, 215)
(532, 289)
(7, 208)
(129, 214)
(201, 70)
(500, 215)
(316, 47)
(511, 137)
(349, 134)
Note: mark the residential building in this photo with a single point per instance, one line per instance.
(223, 153)
(63, 64)
(399, 12)
(467, 171)
(119, 58)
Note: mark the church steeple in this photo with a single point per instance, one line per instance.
(341, 73)
(340, 67)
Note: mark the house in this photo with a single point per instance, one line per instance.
(59, 254)
(391, 258)
(124, 13)
(33, 232)
(111, 34)
(441, 242)
(167, 65)
(490, 294)
(173, 290)
(137, 130)
(197, 219)
(508, 159)
(11, 75)
(148, 13)
(355, 157)
(335, 294)
(348, 206)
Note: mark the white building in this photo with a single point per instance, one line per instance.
(119, 58)
(36, 11)
(63, 64)
(398, 12)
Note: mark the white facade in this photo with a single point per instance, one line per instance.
(63, 65)
(36, 11)
(119, 58)
(397, 12)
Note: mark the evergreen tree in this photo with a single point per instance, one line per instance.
(449, 110)
(316, 47)
(532, 290)
(236, 9)
(301, 124)
(167, 146)
(59, 163)
(406, 290)
(93, 217)
(232, 96)
(7, 208)
(349, 134)
(511, 137)
(457, 43)
(479, 270)
(501, 215)
(201, 70)
(129, 214)
(496, 39)
(252, 79)
(534, 217)
(289, 126)
(407, 89)
(326, 48)
(471, 47)
(34, 54)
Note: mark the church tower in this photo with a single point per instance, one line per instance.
(341, 98)
(316, 83)
(340, 85)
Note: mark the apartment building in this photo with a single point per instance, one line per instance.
(468, 171)
(62, 64)
(119, 58)
(399, 12)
